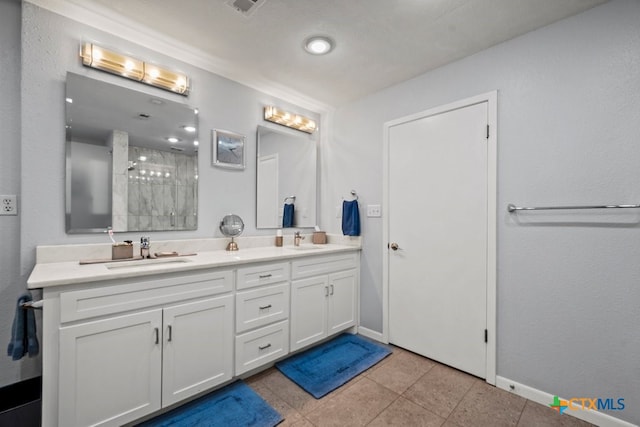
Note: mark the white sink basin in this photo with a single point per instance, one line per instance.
(306, 247)
(144, 263)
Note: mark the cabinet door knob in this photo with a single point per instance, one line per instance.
(331, 293)
(157, 331)
(394, 246)
(169, 339)
(326, 291)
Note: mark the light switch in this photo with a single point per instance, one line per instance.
(374, 211)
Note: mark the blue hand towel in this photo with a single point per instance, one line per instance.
(287, 215)
(23, 332)
(350, 218)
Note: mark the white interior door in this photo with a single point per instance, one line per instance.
(268, 203)
(437, 204)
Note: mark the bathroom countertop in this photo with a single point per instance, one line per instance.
(72, 272)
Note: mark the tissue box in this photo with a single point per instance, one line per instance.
(319, 237)
(121, 251)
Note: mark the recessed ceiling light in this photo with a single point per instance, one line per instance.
(189, 128)
(173, 139)
(318, 45)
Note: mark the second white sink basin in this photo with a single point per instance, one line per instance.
(142, 263)
(306, 247)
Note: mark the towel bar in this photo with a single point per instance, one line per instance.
(33, 305)
(513, 208)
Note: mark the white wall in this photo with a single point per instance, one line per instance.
(568, 133)
(33, 157)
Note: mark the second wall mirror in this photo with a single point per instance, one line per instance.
(286, 173)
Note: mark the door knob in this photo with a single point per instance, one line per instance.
(394, 246)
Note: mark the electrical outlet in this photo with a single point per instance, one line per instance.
(374, 211)
(8, 205)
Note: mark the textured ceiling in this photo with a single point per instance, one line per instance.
(378, 42)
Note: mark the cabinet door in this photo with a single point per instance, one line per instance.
(308, 311)
(342, 300)
(198, 347)
(110, 370)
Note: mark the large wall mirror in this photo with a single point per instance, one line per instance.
(286, 173)
(132, 160)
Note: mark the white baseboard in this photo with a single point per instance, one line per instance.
(369, 333)
(594, 417)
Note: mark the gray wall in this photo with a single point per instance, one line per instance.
(568, 133)
(33, 157)
(11, 282)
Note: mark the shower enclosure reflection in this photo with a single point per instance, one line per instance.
(132, 160)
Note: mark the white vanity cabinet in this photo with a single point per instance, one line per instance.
(262, 315)
(123, 341)
(124, 364)
(324, 297)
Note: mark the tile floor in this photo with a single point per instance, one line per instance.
(405, 389)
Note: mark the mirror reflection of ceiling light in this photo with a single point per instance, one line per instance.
(142, 158)
(189, 128)
(173, 139)
(318, 45)
(126, 66)
(196, 143)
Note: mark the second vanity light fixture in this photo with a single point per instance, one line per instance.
(294, 121)
(126, 66)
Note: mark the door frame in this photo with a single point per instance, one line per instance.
(491, 98)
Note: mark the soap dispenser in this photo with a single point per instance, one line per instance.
(145, 245)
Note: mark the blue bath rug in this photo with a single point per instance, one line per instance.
(234, 405)
(328, 366)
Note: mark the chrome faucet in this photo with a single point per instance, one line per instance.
(297, 238)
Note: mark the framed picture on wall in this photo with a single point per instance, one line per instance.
(228, 149)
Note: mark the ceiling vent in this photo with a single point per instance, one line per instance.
(246, 7)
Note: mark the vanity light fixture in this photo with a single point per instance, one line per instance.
(126, 66)
(318, 45)
(294, 121)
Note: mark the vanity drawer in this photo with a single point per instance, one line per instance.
(315, 266)
(261, 346)
(106, 300)
(259, 307)
(265, 274)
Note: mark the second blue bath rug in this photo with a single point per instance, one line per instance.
(327, 366)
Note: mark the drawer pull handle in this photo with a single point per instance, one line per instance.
(331, 293)
(169, 339)
(264, 347)
(157, 331)
(265, 307)
(265, 276)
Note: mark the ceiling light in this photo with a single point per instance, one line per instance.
(294, 121)
(318, 45)
(172, 139)
(189, 128)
